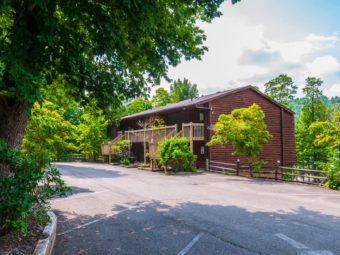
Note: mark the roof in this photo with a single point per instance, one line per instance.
(199, 101)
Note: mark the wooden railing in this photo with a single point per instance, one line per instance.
(279, 173)
(106, 147)
(309, 176)
(150, 135)
(222, 167)
(193, 131)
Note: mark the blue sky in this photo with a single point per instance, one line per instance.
(256, 40)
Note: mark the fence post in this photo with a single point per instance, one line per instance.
(207, 164)
(277, 168)
(238, 167)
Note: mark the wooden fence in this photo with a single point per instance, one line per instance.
(279, 173)
(301, 175)
(222, 167)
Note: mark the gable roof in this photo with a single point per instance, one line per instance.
(188, 103)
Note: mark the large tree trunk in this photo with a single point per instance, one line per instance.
(13, 115)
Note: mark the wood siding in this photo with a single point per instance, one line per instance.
(272, 151)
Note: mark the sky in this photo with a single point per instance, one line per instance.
(256, 40)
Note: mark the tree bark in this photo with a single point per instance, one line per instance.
(13, 115)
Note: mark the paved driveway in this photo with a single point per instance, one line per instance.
(115, 210)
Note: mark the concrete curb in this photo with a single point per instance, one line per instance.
(45, 246)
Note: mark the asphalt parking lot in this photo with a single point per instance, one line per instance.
(115, 210)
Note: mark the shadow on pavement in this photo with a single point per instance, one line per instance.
(156, 228)
(91, 171)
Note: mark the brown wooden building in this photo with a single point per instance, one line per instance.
(194, 119)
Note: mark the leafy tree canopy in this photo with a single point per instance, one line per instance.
(244, 129)
(181, 90)
(161, 97)
(109, 50)
(106, 48)
(138, 105)
(92, 130)
(314, 110)
(282, 89)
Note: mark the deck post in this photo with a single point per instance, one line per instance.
(207, 165)
(129, 144)
(144, 147)
(191, 138)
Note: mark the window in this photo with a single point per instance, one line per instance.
(202, 150)
(201, 116)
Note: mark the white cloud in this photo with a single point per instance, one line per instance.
(322, 65)
(333, 90)
(241, 52)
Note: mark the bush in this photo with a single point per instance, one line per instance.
(121, 149)
(334, 172)
(124, 161)
(25, 191)
(175, 153)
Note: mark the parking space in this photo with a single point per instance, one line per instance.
(116, 210)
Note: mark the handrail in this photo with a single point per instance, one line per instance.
(303, 170)
(222, 163)
(150, 129)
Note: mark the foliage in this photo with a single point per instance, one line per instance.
(282, 89)
(162, 97)
(121, 149)
(158, 124)
(245, 130)
(92, 130)
(333, 166)
(327, 137)
(309, 153)
(175, 153)
(107, 50)
(48, 134)
(181, 90)
(124, 161)
(138, 105)
(51, 128)
(25, 192)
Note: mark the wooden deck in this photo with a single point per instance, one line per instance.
(152, 137)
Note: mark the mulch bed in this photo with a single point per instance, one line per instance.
(15, 244)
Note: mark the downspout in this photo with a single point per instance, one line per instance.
(282, 137)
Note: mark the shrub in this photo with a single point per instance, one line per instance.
(124, 161)
(25, 191)
(334, 172)
(175, 153)
(121, 149)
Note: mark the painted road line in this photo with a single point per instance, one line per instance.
(188, 247)
(292, 242)
(94, 221)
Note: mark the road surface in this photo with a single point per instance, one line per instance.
(116, 210)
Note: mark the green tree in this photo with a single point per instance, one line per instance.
(327, 137)
(245, 130)
(181, 90)
(50, 131)
(138, 105)
(92, 130)
(308, 154)
(161, 97)
(48, 135)
(105, 49)
(282, 89)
